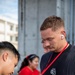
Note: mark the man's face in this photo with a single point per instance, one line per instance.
(50, 40)
(9, 65)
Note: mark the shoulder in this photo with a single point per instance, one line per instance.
(70, 61)
(71, 54)
(36, 72)
(72, 49)
(25, 70)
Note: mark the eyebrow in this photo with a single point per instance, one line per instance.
(48, 38)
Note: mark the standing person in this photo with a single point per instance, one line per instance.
(9, 58)
(59, 57)
(29, 65)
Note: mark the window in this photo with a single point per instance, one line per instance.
(11, 38)
(16, 38)
(11, 27)
(16, 28)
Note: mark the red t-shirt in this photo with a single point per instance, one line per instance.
(27, 71)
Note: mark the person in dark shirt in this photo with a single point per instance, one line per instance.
(59, 57)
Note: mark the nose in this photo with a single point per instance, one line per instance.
(46, 46)
(46, 43)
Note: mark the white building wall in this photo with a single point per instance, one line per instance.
(6, 32)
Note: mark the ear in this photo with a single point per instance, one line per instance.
(63, 34)
(5, 56)
(29, 62)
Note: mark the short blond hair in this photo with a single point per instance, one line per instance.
(53, 22)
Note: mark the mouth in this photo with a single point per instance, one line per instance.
(45, 51)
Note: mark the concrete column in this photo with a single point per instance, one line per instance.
(58, 8)
(21, 29)
(21, 26)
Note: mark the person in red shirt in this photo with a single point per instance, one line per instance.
(29, 65)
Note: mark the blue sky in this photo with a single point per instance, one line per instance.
(9, 8)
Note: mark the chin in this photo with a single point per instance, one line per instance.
(52, 50)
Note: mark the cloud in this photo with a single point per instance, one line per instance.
(9, 8)
(12, 15)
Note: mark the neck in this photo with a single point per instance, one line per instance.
(30, 68)
(64, 46)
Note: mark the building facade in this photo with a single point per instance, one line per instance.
(9, 30)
